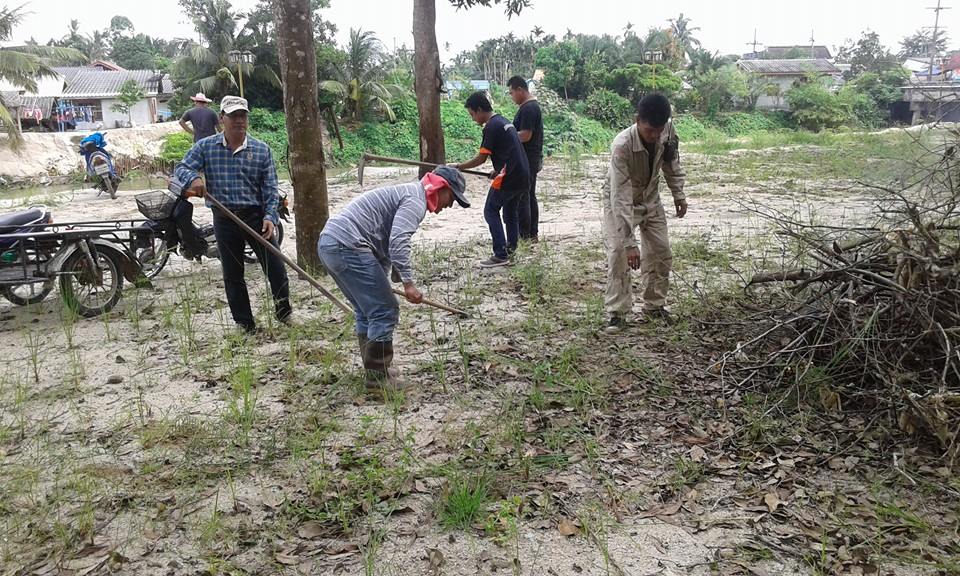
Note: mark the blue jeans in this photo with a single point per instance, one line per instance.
(363, 281)
(509, 202)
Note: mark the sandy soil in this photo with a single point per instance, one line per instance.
(112, 399)
(55, 154)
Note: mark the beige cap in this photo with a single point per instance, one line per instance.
(231, 104)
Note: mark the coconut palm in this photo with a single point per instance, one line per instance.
(22, 66)
(683, 33)
(206, 65)
(360, 83)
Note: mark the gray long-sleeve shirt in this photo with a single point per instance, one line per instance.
(383, 220)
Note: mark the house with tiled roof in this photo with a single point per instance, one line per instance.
(782, 74)
(82, 97)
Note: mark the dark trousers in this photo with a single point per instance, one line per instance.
(183, 216)
(509, 202)
(231, 240)
(529, 209)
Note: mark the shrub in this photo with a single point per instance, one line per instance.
(175, 146)
(608, 108)
(815, 107)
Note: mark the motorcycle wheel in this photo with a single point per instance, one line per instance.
(153, 259)
(111, 189)
(248, 254)
(86, 293)
(27, 294)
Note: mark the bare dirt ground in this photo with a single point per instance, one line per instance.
(156, 440)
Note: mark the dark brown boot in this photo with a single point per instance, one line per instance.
(379, 376)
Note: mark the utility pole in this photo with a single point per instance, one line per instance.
(754, 43)
(813, 52)
(933, 38)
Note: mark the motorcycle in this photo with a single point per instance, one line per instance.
(171, 229)
(99, 164)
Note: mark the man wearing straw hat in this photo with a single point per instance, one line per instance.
(203, 121)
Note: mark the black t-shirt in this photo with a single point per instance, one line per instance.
(204, 122)
(501, 142)
(529, 117)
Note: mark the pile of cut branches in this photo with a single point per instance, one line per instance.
(868, 317)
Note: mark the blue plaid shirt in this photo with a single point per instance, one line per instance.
(245, 178)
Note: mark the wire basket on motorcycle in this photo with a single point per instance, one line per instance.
(156, 204)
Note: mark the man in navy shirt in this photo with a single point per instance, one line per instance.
(511, 179)
(529, 124)
(203, 121)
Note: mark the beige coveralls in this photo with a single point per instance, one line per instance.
(631, 200)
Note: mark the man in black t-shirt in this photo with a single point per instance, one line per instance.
(511, 178)
(203, 121)
(529, 124)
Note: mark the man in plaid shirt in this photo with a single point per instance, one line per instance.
(240, 173)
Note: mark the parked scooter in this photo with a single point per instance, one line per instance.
(99, 164)
(171, 229)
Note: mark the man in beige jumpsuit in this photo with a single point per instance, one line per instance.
(631, 201)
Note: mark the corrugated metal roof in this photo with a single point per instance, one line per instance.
(797, 67)
(95, 83)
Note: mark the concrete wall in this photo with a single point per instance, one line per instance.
(140, 113)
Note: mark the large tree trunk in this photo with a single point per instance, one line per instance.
(298, 69)
(428, 81)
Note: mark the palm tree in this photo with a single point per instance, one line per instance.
(207, 63)
(359, 83)
(22, 66)
(683, 33)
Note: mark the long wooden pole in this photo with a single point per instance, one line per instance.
(443, 307)
(276, 252)
(289, 262)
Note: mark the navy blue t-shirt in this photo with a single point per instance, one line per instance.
(204, 122)
(501, 143)
(529, 117)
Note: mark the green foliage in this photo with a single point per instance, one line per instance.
(564, 69)
(634, 81)
(692, 128)
(608, 108)
(719, 90)
(815, 107)
(868, 54)
(175, 146)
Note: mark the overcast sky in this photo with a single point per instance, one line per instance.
(724, 25)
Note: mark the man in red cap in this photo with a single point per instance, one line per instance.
(361, 244)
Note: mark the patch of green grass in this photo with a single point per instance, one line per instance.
(686, 472)
(464, 501)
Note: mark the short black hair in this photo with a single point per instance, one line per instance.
(517, 83)
(478, 102)
(654, 109)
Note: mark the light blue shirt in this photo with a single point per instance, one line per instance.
(243, 178)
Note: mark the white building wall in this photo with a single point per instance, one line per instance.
(773, 103)
(140, 113)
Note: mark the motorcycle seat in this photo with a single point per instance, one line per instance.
(22, 218)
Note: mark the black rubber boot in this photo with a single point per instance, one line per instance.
(379, 376)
